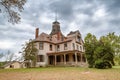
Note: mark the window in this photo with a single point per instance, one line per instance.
(40, 58)
(41, 46)
(78, 38)
(73, 46)
(58, 48)
(77, 47)
(65, 46)
(80, 48)
(50, 47)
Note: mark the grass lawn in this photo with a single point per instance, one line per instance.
(60, 73)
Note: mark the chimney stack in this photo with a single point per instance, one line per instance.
(36, 33)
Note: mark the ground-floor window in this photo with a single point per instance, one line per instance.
(40, 58)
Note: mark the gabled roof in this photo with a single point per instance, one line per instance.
(74, 32)
(9, 63)
(43, 37)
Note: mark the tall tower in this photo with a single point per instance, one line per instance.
(55, 26)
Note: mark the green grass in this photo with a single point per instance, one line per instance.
(60, 73)
(59, 69)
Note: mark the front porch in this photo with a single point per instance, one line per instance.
(66, 58)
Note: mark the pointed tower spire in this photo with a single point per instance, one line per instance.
(56, 16)
(55, 26)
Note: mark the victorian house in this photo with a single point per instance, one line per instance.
(59, 50)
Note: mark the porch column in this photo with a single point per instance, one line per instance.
(86, 59)
(76, 58)
(55, 60)
(64, 59)
(81, 59)
(61, 62)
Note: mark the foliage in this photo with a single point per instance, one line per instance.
(100, 53)
(30, 53)
(12, 8)
(2, 63)
(90, 42)
(101, 64)
(114, 40)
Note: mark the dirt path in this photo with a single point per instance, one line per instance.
(59, 75)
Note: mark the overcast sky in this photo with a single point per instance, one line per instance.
(98, 17)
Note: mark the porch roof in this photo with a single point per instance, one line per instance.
(64, 52)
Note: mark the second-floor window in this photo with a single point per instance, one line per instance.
(58, 47)
(50, 47)
(77, 47)
(41, 46)
(80, 48)
(78, 38)
(65, 46)
(73, 46)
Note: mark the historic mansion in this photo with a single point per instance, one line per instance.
(59, 50)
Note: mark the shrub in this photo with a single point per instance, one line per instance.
(100, 64)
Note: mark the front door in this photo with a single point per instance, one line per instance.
(51, 60)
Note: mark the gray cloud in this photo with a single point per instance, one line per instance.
(72, 14)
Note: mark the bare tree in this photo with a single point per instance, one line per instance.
(12, 8)
(8, 56)
(1, 55)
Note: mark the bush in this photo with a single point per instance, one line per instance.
(100, 64)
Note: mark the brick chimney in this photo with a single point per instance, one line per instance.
(36, 33)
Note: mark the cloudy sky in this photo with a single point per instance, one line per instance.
(98, 17)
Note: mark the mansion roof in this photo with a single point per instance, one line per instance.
(56, 35)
